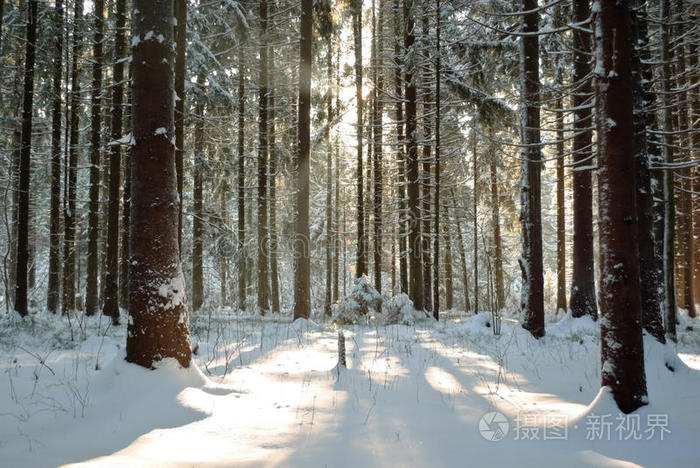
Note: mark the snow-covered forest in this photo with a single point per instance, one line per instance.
(349, 233)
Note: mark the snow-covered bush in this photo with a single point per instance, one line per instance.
(362, 298)
(399, 310)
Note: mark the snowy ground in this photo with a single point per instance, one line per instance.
(267, 393)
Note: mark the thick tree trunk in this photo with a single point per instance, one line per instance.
(22, 262)
(159, 323)
(532, 300)
(415, 290)
(125, 221)
(111, 302)
(91, 291)
(180, 7)
(695, 155)
(53, 295)
(69, 244)
(622, 350)
(302, 270)
(426, 178)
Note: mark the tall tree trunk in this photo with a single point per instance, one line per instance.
(377, 122)
(111, 303)
(649, 275)
(263, 283)
(695, 155)
(622, 349)
(400, 146)
(22, 257)
(329, 183)
(242, 257)
(436, 239)
(53, 295)
(159, 323)
(69, 244)
(463, 261)
(180, 61)
(582, 300)
(302, 280)
(561, 212)
(475, 210)
(126, 220)
(496, 224)
(274, 274)
(686, 233)
(449, 288)
(532, 300)
(426, 180)
(361, 268)
(669, 202)
(197, 200)
(91, 292)
(336, 217)
(415, 290)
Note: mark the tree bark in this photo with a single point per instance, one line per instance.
(415, 290)
(649, 276)
(361, 268)
(274, 274)
(669, 201)
(25, 155)
(582, 300)
(91, 291)
(496, 224)
(263, 285)
(400, 150)
(622, 350)
(197, 200)
(111, 303)
(69, 243)
(242, 257)
(329, 183)
(302, 280)
(436, 239)
(377, 139)
(532, 297)
(159, 323)
(54, 286)
(180, 7)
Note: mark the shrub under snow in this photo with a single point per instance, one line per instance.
(362, 298)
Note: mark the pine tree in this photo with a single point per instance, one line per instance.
(532, 297)
(622, 350)
(25, 152)
(302, 267)
(158, 326)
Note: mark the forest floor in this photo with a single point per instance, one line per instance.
(267, 392)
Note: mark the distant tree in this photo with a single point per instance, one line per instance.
(263, 283)
(622, 350)
(361, 268)
(159, 324)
